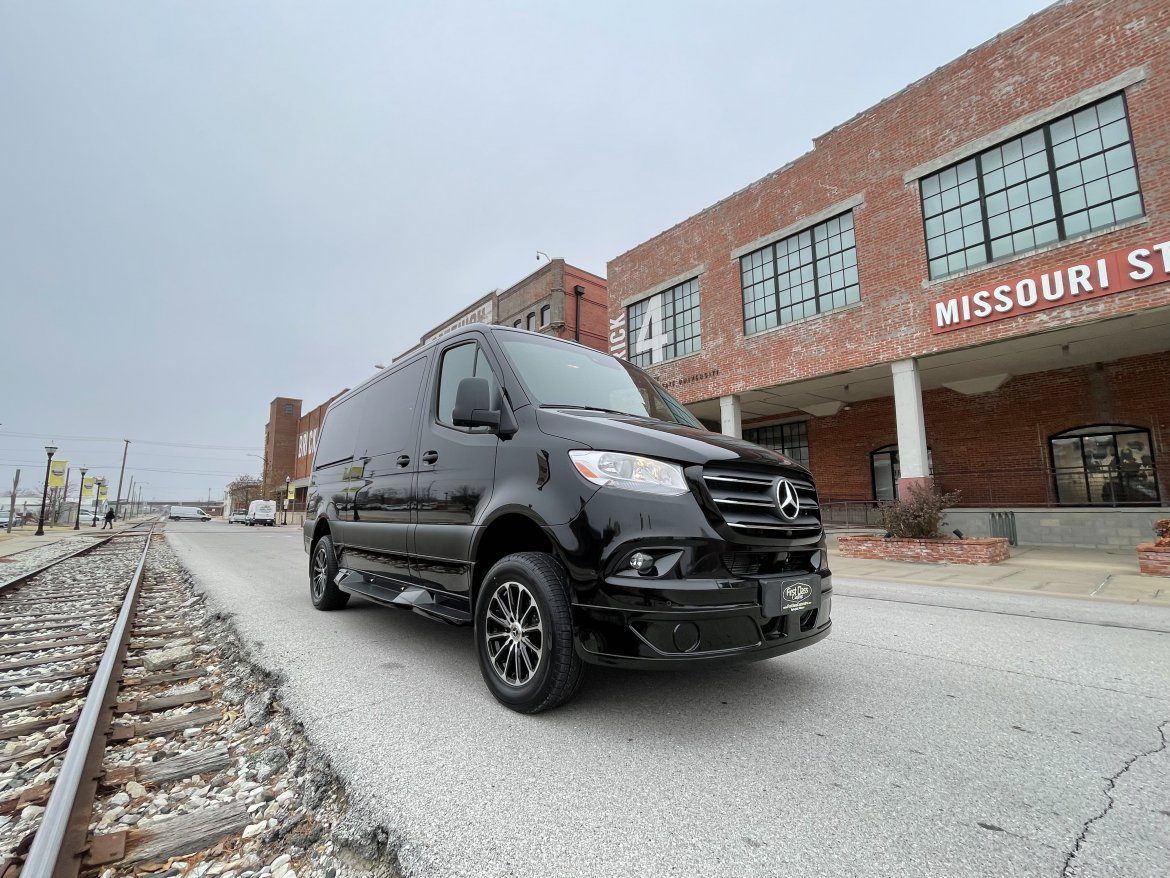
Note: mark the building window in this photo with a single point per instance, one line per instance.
(809, 273)
(531, 320)
(1104, 465)
(791, 440)
(1070, 176)
(665, 325)
(288, 408)
(545, 314)
(516, 324)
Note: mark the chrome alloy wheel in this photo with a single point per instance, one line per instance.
(514, 633)
(320, 572)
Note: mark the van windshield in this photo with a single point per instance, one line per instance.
(562, 375)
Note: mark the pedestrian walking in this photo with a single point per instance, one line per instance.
(109, 522)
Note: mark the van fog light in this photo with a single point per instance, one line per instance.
(686, 636)
(641, 562)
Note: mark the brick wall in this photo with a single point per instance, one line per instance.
(527, 295)
(552, 285)
(1055, 54)
(994, 446)
(1154, 560)
(594, 308)
(987, 551)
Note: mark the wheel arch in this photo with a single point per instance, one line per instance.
(509, 531)
(321, 529)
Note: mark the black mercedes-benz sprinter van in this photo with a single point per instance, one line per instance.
(559, 500)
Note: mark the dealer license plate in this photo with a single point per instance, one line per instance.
(790, 594)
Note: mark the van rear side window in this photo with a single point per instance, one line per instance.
(336, 442)
(388, 411)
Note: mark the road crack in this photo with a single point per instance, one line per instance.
(1110, 784)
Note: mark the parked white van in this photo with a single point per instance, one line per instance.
(188, 513)
(262, 512)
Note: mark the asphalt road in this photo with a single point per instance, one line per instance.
(936, 732)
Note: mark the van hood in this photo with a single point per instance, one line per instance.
(605, 431)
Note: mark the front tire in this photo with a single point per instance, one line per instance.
(323, 588)
(524, 633)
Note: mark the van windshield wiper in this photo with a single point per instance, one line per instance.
(590, 408)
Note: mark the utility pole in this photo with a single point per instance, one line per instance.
(118, 499)
(130, 499)
(12, 510)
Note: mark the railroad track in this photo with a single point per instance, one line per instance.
(76, 636)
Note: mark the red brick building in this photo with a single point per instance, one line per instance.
(280, 433)
(555, 299)
(967, 283)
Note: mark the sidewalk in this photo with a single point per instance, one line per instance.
(1095, 574)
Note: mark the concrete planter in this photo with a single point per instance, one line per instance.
(939, 551)
(1154, 560)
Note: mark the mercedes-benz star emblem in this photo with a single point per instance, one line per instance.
(787, 500)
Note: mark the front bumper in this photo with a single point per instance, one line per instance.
(710, 595)
(668, 633)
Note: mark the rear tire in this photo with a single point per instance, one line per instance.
(323, 588)
(524, 633)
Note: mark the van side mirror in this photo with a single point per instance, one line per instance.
(473, 404)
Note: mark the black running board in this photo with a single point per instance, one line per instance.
(402, 597)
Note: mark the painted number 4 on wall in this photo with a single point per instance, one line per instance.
(652, 338)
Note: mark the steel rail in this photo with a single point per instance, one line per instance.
(57, 847)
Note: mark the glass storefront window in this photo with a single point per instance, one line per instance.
(1104, 465)
(886, 471)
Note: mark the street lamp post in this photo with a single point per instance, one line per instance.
(80, 495)
(49, 450)
(287, 481)
(97, 489)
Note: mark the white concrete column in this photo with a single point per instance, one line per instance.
(730, 420)
(912, 455)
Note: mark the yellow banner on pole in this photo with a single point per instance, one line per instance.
(57, 470)
(292, 493)
(103, 492)
(87, 487)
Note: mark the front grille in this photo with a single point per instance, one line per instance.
(747, 502)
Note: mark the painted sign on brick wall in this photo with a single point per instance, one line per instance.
(1113, 272)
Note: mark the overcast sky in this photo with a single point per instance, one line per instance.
(204, 205)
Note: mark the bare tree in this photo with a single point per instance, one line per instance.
(243, 490)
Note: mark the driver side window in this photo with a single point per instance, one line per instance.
(459, 362)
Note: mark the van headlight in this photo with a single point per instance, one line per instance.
(630, 472)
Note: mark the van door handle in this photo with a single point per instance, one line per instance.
(430, 456)
(403, 460)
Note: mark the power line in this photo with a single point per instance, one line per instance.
(134, 441)
(132, 469)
